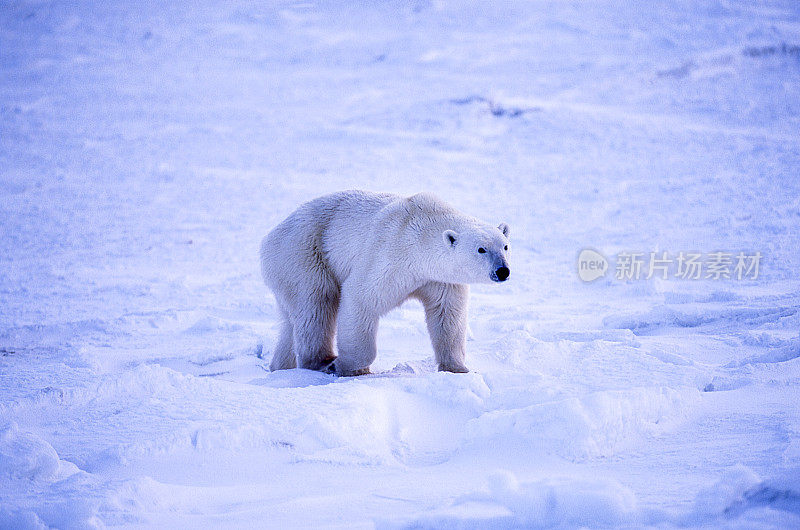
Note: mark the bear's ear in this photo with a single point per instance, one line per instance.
(449, 238)
(504, 228)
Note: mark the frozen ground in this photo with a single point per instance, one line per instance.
(146, 148)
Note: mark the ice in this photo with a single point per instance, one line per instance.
(146, 149)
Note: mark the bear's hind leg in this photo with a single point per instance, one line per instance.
(357, 334)
(314, 330)
(283, 357)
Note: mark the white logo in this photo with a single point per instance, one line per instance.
(591, 265)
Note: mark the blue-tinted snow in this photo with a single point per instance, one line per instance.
(145, 148)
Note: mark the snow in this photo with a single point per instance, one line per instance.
(146, 148)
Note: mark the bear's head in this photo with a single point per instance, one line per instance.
(478, 254)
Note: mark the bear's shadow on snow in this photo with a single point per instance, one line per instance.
(299, 377)
(295, 378)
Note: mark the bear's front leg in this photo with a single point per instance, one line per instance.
(446, 316)
(356, 333)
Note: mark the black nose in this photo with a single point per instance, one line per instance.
(502, 273)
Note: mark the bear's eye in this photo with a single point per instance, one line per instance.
(505, 247)
(481, 250)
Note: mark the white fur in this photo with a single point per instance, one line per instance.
(350, 257)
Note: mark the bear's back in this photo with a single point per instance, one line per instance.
(355, 228)
(347, 233)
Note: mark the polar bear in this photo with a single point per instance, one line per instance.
(340, 262)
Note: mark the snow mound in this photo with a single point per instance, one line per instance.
(598, 424)
(740, 491)
(20, 520)
(24, 455)
(38, 489)
(560, 502)
(738, 496)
